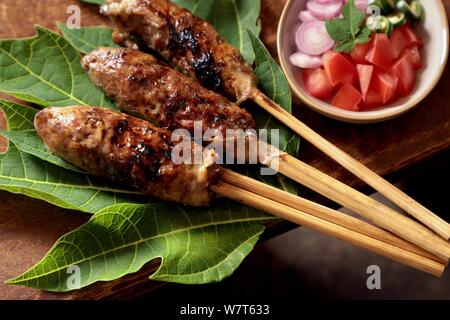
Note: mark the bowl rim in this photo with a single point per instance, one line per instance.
(355, 116)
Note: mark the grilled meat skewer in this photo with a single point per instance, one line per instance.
(186, 41)
(142, 86)
(131, 151)
(288, 166)
(193, 45)
(125, 150)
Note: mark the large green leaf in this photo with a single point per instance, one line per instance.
(88, 38)
(195, 247)
(21, 172)
(25, 174)
(46, 70)
(29, 142)
(232, 18)
(270, 76)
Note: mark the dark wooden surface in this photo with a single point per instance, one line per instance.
(28, 228)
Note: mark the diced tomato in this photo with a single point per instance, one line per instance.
(373, 75)
(351, 78)
(365, 73)
(404, 70)
(373, 99)
(337, 67)
(359, 53)
(411, 37)
(347, 98)
(414, 56)
(317, 83)
(381, 53)
(398, 42)
(349, 58)
(386, 85)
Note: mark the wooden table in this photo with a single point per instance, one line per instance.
(28, 228)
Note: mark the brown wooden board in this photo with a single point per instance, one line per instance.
(28, 228)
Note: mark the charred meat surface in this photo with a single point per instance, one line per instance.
(125, 150)
(142, 86)
(186, 41)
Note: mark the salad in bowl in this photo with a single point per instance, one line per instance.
(363, 60)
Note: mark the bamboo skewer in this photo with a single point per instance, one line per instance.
(322, 212)
(365, 206)
(398, 197)
(382, 248)
(361, 204)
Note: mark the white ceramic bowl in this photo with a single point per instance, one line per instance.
(434, 32)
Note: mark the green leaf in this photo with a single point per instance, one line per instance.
(345, 46)
(29, 142)
(25, 174)
(232, 18)
(88, 38)
(22, 134)
(21, 172)
(18, 117)
(348, 31)
(37, 68)
(46, 70)
(99, 2)
(269, 74)
(195, 247)
(336, 30)
(353, 18)
(199, 8)
(364, 36)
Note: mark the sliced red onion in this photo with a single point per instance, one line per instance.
(306, 61)
(325, 11)
(306, 16)
(312, 38)
(362, 5)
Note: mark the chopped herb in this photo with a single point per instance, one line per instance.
(349, 30)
